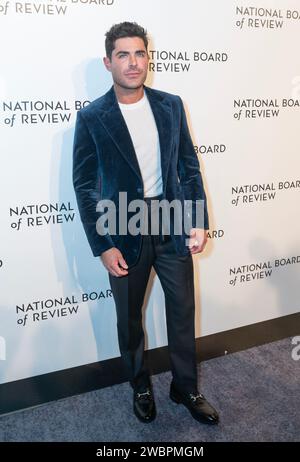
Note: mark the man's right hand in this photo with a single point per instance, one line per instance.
(114, 262)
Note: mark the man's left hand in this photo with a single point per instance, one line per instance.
(198, 239)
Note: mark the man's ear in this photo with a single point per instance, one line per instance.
(107, 63)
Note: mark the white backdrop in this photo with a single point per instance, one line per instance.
(237, 70)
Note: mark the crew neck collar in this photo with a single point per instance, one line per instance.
(136, 105)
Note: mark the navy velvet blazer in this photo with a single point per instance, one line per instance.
(105, 162)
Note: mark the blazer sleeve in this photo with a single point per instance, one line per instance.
(86, 181)
(189, 172)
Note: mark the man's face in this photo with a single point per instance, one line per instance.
(129, 63)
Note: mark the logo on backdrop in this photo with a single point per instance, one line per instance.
(32, 216)
(38, 112)
(210, 150)
(260, 192)
(256, 108)
(56, 308)
(215, 233)
(263, 18)
(259, 270)
(181, 61)
(49, 8)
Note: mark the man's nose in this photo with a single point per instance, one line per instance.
(132, 60)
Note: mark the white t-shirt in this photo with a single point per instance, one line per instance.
(143, 131)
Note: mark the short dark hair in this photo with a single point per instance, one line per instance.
(122, 30)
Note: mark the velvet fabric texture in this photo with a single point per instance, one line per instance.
(105, 163)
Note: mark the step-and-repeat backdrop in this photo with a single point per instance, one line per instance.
(235, 65)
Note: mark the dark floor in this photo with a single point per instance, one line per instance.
(256, 391)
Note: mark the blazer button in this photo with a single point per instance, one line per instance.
(139, 190)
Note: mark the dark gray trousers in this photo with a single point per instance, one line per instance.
(177, 279)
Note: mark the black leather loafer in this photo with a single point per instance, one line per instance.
(144, 405)
(200, 409)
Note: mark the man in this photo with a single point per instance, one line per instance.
(135, 140)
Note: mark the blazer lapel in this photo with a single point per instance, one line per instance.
(162, 112)
(114, 123)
